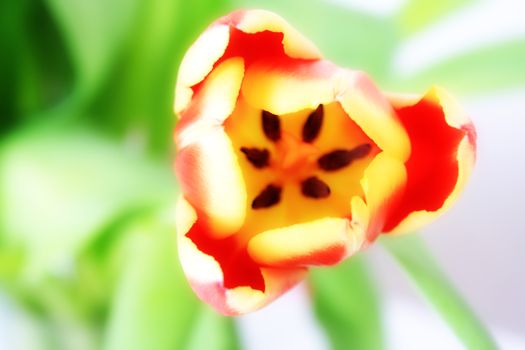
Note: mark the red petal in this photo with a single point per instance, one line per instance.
(220, 270)
(237, 266)
(437, 131)
(294, 44)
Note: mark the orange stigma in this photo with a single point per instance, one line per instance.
(295, 157)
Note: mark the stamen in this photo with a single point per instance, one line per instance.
(271, 126)
(341, 158)
(312, 126)
(270, 196)
(259, 158)
(313, 187)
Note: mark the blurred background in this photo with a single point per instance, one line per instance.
(87, 253)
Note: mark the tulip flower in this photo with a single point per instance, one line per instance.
(287, 161)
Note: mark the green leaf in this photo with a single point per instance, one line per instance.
(139, 96)
(417, 14)
(153, 307)
(59, 186)
(34, 69)
(95, 31)
(344, 35)
(414, 257)
(346, 304)
(485, 69)
(212, 331)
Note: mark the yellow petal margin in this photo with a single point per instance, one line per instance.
(367, 106)
(206, 164)
(198, 62)
(321, 242)
(383, 183)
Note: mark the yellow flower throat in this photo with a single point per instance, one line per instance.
(299, 166)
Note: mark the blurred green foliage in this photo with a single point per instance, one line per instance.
(86, 190)
(347, 305)
(477, 71)
(417, 14)
(35, 71)
(425, 271)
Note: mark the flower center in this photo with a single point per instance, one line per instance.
(294, 158)
(299, 166)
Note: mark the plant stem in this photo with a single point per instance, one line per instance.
(412, 254)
